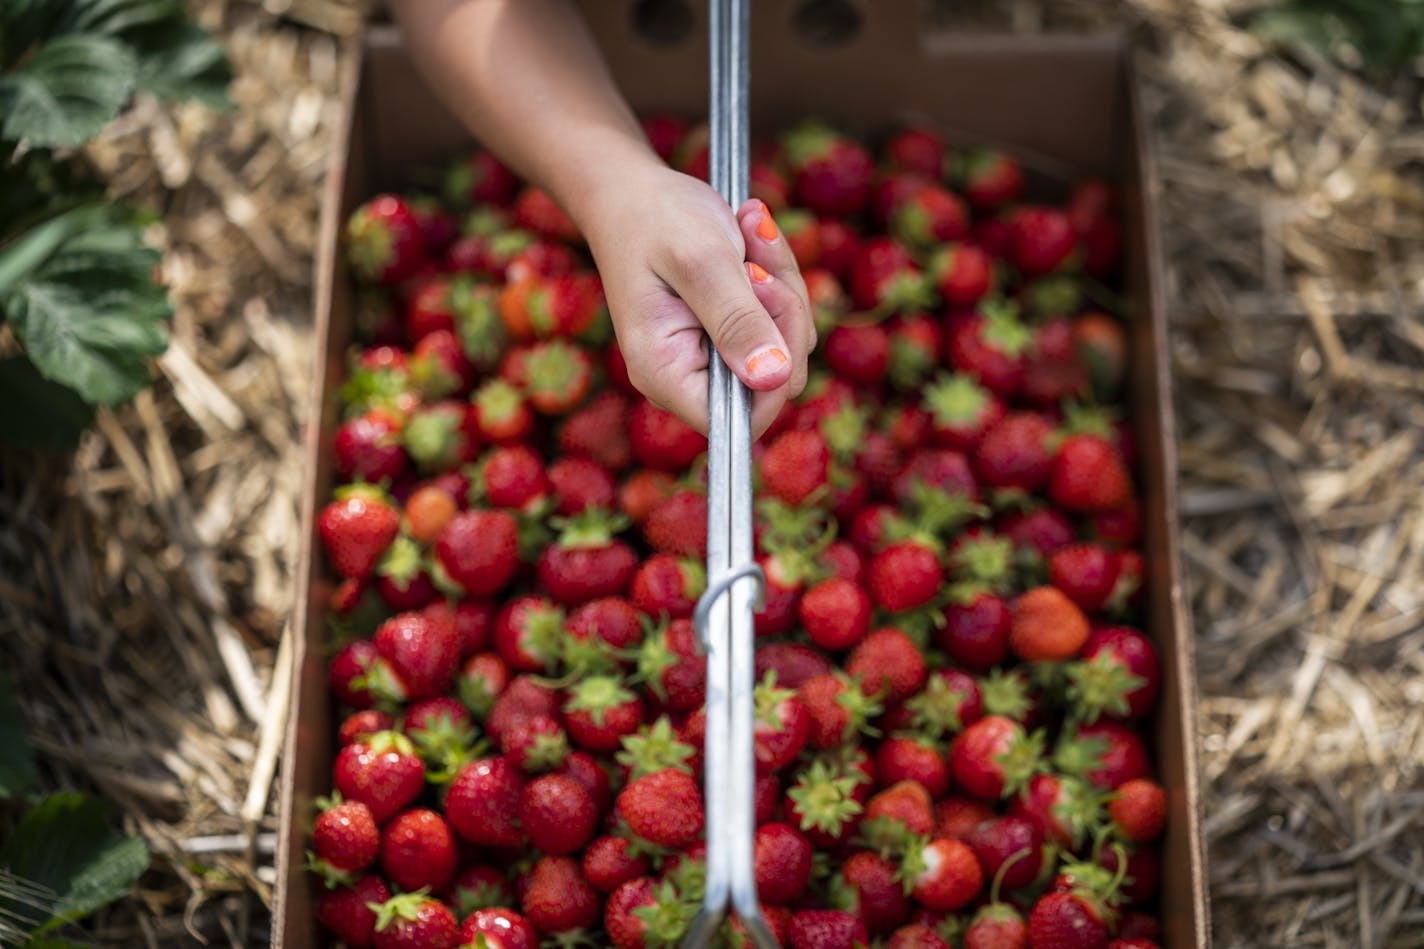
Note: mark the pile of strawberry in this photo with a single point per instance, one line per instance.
(950, 724)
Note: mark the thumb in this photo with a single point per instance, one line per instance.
(718, 289)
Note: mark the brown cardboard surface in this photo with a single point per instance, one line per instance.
(1064, 105)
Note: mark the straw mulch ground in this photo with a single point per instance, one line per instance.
(144, 588)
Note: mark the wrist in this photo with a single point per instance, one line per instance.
(599, 173)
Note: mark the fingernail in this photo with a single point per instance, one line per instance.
(758, 274)
(765, 361)
(766, 230)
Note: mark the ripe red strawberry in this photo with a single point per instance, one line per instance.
(555, 375)
(666, 585)
(415, 921)
(858, 354)
(363, 724)
(945, 874)
(1077, 919)
(535, 210)
(1047, 626)
(382, 771)
(535, 744)
(931, 216)
(643, 912)
(1142, 873)
(1138, 809)
(579, 483)
(990, 179)
(479, 178)
(991, 345)
(662, 441)
(1054, 372)
(586, 770)
(356, 529)
(963, 273)
(600, 712)
(873, 891)
(782, 861)
(368, 447)
(803, 235)
(827, 929)
(835, 614)
(346, 913)
(997, 926)
(678, 525)
(428, 509)
(539, 307)
(793, 663)
(482, 804)
(1016, 454)
(903, 576)
(423, 652)
(557, 898)
(497, 927)
(642, 491)
(418, 850)
(610, 620)
(1089, 475)
(1133, 944)
(915, 344)
(482, 678)
(976, 630)
(1119, 674)
(349, 676)
(1001, 840)
(1086, 573)
(439, 366)
(831, 174)
(794, 465)
(528, 634)
(501, 414)
(1064, 808)
(781, 726)
(906, 758)
(610, 861)
(550, 260)
(557, 814)
(884, 278)
(957, 816)
(384, 243)
(1042, 239)
(962, 410)
(838, 709)
(432, 307)
(903, 807)
(994, 757)
(840, 243)
(1104, 753)
(513, 477)
(916, 149)
(345, 840)
(600, 431)
(888, 663)
(1102, 345)
(478, 551)
(663, 808)
(768, 184)
(587, 561)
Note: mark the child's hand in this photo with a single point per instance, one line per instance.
(675, 261)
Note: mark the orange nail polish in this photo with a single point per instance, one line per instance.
(759, 274)
(764, 362)
(766, 230)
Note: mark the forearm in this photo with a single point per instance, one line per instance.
(526, 75)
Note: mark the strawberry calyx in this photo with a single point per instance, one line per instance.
(655, 747)
(1052, 295)
(590, 655)
(860, 708)
(402, 906)
(655, 657)
(810, 141)
(824, 795)
(433, 439)
(935, 710)
(571, 939)
(363, 491)
(667, 919)
(369, 244)
(402, 561)
(596, 695)
(542, 629)
(1079, 808)
(486, 220)
(331, 876)
(768, 699)
(986, 559)
(1021, 760)
(889, 837)
(1006, 694)
(1078, 756)
(545, 752)
(470, 899)
(794, 532)
(477, 323)
(366, 388)
(591, 528)
(385, 685)
(1084, 419)
(844, 431)
(955, 399)
(911, 863)
(445, 747)
(910, 362)
(1003, 328)
(1100, 686)
(550, 366)
(498, 401)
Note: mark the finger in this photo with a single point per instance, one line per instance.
(766, 245)
(711, 278)
(791, 314)
(669, 368)
(766, 406)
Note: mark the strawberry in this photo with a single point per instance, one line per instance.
(916, 936)
(550, 260)
(827, 799)
(349, 676)
(782, 861)
(362, 724)
(916, 149)
(997, 926)
(1089, 475)
(827, 929)
(383, 241)
(557, 814)
(600, 712)
(479, 178)
(580, 483)
(600, 431)
(423, 652)
(1015, 453)
(401, 579)
(990, 179)
(658, 746)
(1133, 944)
(963, 273)
(991, 345)
(957, 816)
(610, 620)
(858, 354)
(903, 807)
(768, 185)
(535, 744)
(803, 235)
(962, 411)
(1054, 372)
(931, 216)
(835, 614)
(1041, 239)
(664, 808)
(1119, 674)
(793, 663)
(1064, 808)
(478, 551)
(428, 509)
(1141, 872)
(368, 447)
(1138, 809)
(356, 529)
(953, 488)
(678, 525)
(944, 873)
(439, 366)
(528, 633)
(643, 491)
(976, 630)
(884, 277)
(840, 243)
(912, 759)
(586, 770)
(994, 757)
(534, 306)
(501, 414)
(642, 912)
(666, 585)
(431, 308)
(497, 927)
(535, 210)
(889, 664)
(1104, 753)
(610, 861)
(794, 465)
(903, 576)
(555, 375)
(837, 707)
(1010, 849)
(482, 803)
(346, 912)
(893, 189)
(662, 441)
(586, 561)
(345, 841)
(513, 477)
(382, 771)
(830, 173)
(915, 344)
(557, 898)
(1046, 626)
(781, 725)
(415, 921)
(1073, 920)
(418, 850)
(481, 679)
(873, 891)
(1086, 573)
(1102, 346)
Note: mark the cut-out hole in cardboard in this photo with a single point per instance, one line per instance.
(663, 22)
(827, 23)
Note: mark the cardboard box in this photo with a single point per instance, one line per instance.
(1065, 105)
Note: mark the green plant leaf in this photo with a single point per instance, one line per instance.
(18, 775)
(88, 313)
(177, 59)
(66, 91)
(44, 942)
(54, 418)
(65, 845)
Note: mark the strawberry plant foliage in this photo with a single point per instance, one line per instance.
(77, 289)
